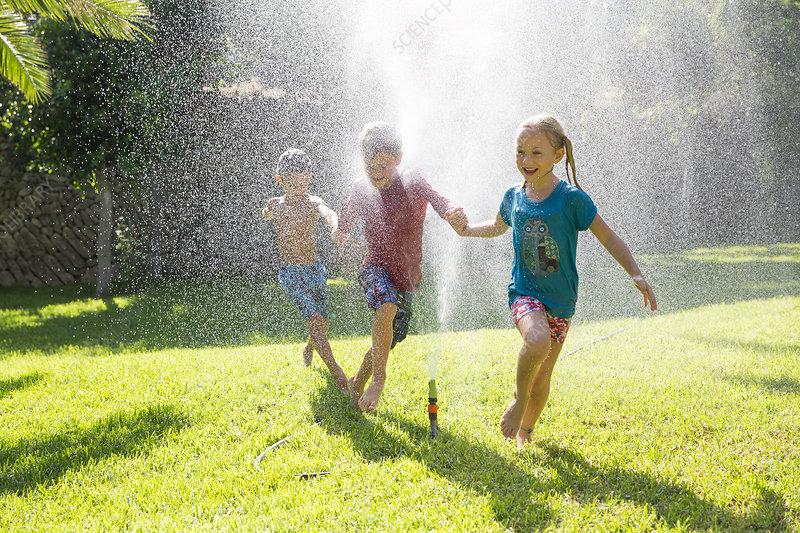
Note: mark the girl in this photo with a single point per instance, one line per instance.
(546, 214)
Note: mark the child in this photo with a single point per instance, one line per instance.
(303, 277)
(392, 202)
(546, 214)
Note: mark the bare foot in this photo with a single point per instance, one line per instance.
(369, 400)
(308, 353)
(343, 384)
(355, 394)
(509, 422)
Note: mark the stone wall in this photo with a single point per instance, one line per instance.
(47, 232)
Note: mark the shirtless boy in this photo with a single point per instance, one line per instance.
(303, 276)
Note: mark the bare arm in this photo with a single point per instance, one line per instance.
(328, 215)
(347, 217)
(454, 215)
(488, 228)
(268, 211)
(438, 202)
(620, 251)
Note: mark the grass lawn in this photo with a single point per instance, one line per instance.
(146, 411)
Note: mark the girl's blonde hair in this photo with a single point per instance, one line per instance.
(549, 125)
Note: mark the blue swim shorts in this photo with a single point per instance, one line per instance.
(307, 286)
(378, 286)
(379, 289)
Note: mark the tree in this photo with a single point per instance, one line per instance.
(23, 60)
(111, 118)
(712, 85)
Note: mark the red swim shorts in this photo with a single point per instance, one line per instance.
(526, 304)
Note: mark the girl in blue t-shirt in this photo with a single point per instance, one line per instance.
(545, 214)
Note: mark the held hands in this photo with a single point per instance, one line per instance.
(646, 290)
(457, 218)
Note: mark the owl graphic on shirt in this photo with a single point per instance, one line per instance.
(539, 249)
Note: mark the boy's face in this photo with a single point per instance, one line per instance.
(381, 169)
(295, 184)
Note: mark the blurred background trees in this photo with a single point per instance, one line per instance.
(711, 86)
(103, 115)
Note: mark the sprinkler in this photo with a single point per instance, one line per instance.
(433, 409)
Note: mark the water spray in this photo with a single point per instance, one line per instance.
(444, 286)
(605, 337)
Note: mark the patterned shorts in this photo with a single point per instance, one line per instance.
(379, 289)
(307, 286)
(524, 305)
(378, 286)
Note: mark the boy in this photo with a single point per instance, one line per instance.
(392, 202)
(303, 277)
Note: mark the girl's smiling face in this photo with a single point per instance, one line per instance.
(536, 156)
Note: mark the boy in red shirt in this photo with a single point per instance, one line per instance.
(392, 202)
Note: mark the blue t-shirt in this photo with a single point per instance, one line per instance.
(545, 241)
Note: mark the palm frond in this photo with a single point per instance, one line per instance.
(53, 9)
(23, 61)
(118, 19)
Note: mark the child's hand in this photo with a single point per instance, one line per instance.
(646, 290)
(457, 218)
(340, 237)
(272, 203)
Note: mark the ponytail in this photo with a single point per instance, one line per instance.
(570, 163)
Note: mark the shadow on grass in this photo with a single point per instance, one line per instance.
(512, 490)
(32, 299)
(775, 385)
(675, 504)
(7, 386)
(29, 464)
(777, 345)
(199, 313)
(186, 314)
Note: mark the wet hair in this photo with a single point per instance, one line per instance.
(293, 161)
(549, 125)
(379, 138)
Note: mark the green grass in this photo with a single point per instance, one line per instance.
(775, 253)
(146, 411)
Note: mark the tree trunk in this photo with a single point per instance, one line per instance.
(153, 212)
(104, 233)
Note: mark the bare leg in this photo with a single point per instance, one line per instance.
(318, 329)
(359, 381)
(308, 352)
(540, 390)
(535, 346)
(381, 344)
